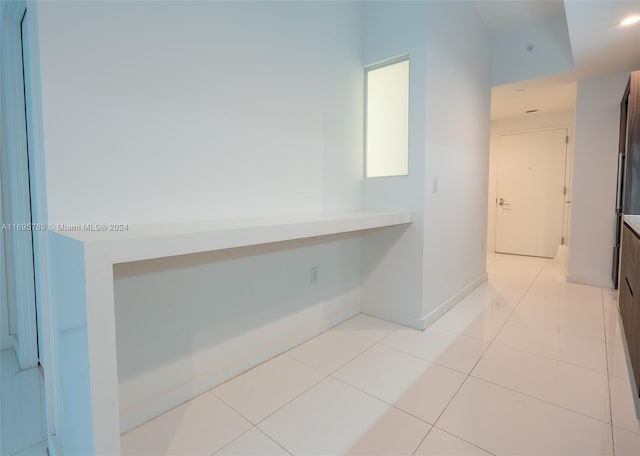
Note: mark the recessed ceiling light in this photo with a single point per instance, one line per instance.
(630, 20)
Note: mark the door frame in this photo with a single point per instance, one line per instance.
(11, 102)
(6, 338)
(568, 155)
(25, 339)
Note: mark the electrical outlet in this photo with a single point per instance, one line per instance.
(315, 275)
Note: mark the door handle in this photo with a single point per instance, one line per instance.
(501, 203)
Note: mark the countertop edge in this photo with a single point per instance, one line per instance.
(634, 223)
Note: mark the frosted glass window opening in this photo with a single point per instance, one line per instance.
(387, 119)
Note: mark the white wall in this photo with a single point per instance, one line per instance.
(392, 259)
(415, 275)
(160, 111)
(170, 111)
(521, 124)
(512, 61)
(457, 147)
(594, 179)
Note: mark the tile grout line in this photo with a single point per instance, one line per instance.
(444, 409)
(607, 373)
(423, 439)
(287, 354)
(341, 365)
(529, 352)
(245, 433)
(430, 360)
(540, 399)
(553, 359)
(538, 354)
(606, 354)
(406, 412)
(253, 425)
(393, 405)
(283, 405)
(472, 444)
(484, 352)
(417, 357)
(486, 349)
(380, 400)
(323, 378)
(593, 370)
(344, 383)
(274, 440)
(229, 443)
(492, 341)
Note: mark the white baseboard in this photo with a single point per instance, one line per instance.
(443, 308)
(394, 317)
(209, 368)
(423, 323)
(600, 282)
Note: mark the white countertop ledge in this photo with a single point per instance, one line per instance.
(634, 222)
(83, 293)
(142, 242)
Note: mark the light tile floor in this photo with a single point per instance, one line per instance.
(525, 364)
(22, 426)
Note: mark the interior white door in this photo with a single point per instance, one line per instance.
(530, 196)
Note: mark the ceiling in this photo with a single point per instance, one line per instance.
(502, 15)
(598, 42)
(549, 94)
(599, 45)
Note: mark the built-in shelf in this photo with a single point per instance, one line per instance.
(82, 299)
(141, 242)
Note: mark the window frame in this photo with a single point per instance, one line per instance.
(372, 67)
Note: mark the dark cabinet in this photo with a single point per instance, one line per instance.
(631, 192)
(626, 252)
(629, 297)
(628, 187)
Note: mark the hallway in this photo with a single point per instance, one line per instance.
(526, 364)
